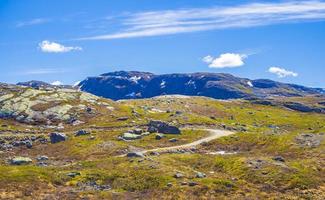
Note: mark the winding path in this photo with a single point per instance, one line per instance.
(214, 134)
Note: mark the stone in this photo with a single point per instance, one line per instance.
(192, 183)
(200, 175)
(154, 153)
(42, 164)
(178, 175)
(162, 127)
(137, 131)
(29, 144)
(135, 155)
(159, 136)
(73, 174)
(82, 132)
(173, 140)
(278, 158)
(130, 136)
(42, 158)
(169, 184)
(122, 118)
(57, 137)
(20, 160)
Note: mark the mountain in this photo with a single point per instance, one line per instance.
(41, 84)
(134, 84)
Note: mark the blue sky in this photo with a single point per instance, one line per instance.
(66, 41)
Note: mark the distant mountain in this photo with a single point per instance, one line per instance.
(134, 84)
(40, 84)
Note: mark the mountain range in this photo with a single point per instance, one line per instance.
(135, 84)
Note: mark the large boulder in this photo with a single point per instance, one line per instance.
(20, 160)
(162, 127)
(57, 137)
(130, 136)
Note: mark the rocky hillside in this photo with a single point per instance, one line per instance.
(132, 85)
(66, 144)
(49, 105)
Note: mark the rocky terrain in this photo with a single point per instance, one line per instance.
(134, 85)
(60, 143)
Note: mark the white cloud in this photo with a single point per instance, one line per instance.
(52, 47)
(225, 60)
(31, 22)
(57, 83)
(281, 73)
(167, 22)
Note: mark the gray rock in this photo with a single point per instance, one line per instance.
(82, 132)
(42, 158)
(159, 136)
(178, 175)
(122, 118)
(154, 153)
(42, 164)
(57, 137)
(200, 175)
(173, 140)
(192, 183)
(29, 144)
(130, 136)
(73, 174)
(162, 127)
(278, 158)
(137, 131)
(135, 155)
(20, 160)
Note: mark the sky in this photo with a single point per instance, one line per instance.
(61, 41)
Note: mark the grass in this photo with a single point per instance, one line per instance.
(262, 133)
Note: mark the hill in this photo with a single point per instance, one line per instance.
(134, 85)
(67, 144)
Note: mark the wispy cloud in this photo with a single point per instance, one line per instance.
(31, 22)
(53, 47)
(281, 72)
(43, 71)
(167, 22)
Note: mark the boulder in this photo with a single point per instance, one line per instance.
(73, 174)
(192, 183)
(20, 160)
(82, 132)
(42, 158)
(173, 140)
(162, 127)
(135, 155)
(178, 175)
(159, 136)
(200, 175)
(29, 144)
(130, 136)
(278, 158)
(57, 137)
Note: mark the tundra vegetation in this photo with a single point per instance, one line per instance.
(65, 144)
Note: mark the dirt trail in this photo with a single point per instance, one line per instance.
(214, 134)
